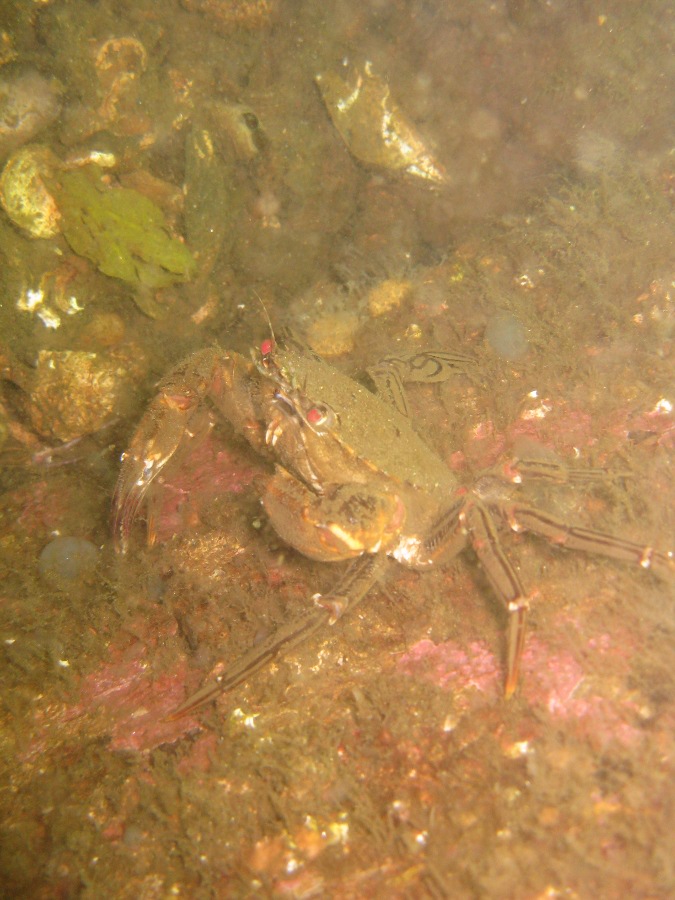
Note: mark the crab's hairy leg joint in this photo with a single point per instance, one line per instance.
(447, 535)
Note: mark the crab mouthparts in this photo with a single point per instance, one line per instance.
(274, 431)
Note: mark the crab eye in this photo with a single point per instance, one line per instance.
(320, 416)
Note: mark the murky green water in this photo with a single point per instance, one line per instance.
(488, 179)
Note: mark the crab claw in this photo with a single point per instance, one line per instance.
(176, 417)
(345, 522)
(173, 421)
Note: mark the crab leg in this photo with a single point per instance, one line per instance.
(520, 470)
(350, 590)
(447, 538)
(479, 524)
(470, 521)
(574, 537)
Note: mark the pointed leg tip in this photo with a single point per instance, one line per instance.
(511, 685)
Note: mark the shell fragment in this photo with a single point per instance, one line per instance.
(373, 127)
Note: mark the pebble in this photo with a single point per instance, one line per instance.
(29, 103)
(24, 195)
(332, 334)
(106, 329)
(387, 295)
(507, 336)
(67, 561)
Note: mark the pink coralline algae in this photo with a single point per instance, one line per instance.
(552, 681)
(212, 471)
(453, 667)
(131, 694)
(558, 682)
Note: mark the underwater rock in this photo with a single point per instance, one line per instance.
(74, 393)
(332, 333)
(105, 329)
(373, 127)
(67, 561)
(227, 15)
(29, 103)
(388, 295)
(24, 194)
(507, 336)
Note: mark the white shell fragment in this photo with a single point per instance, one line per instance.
(374, 128)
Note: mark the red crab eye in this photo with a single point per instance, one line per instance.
(267, 347)
(315, 416)
(320, 417)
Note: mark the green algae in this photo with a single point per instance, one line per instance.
(124, 233)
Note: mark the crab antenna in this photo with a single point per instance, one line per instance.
(267, 316)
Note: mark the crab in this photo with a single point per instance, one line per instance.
(352, 481)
